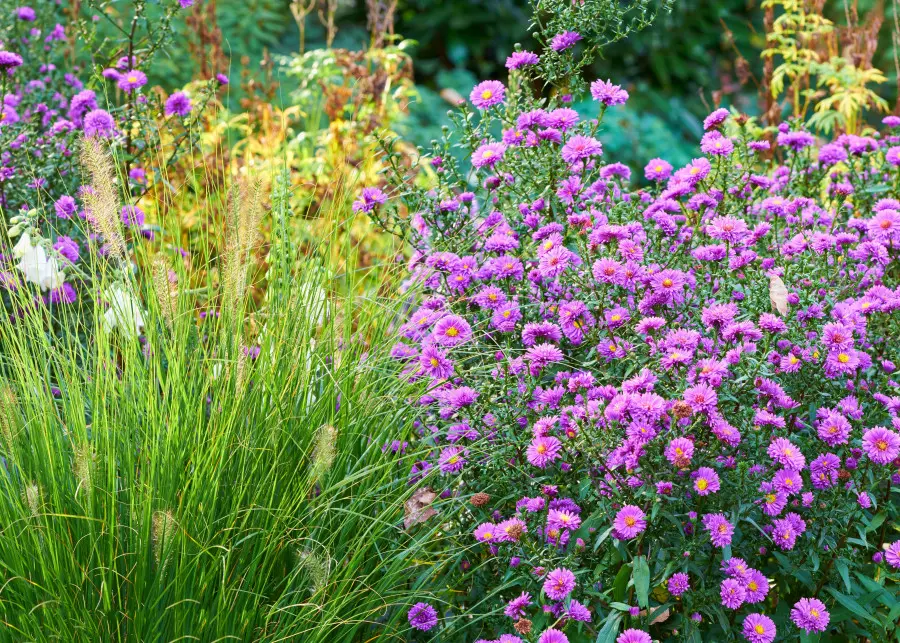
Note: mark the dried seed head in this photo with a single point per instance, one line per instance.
(681, 409)
(242, 220)
(101, 199)
(480, 499)
(522, 626)
(515, 532)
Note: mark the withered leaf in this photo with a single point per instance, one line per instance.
(418, 508)
(778, 295)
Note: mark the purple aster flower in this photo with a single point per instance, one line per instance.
(178, 104)
(881, 445)
(9, 60)
(658, 170)
(892, 554)
(785, 453)
(679, 452)
(578, 612)
(543, 450)
(99, 122)
(759, 628)
(369, 199)
(488, 154)
(678, 584)
(580, 147)
(604, 92)
(634, 636)
(451, 460)
(452, 330)
(720, 530)
(715, 119)
(521, 59)
(422, 616)
(132, 215)
(26, 14)
(732, 593)
(629, 522)
(67, 248)
(487, 94)
(809, 614)
(515, 609)
(131, 80)
(553, 635)
(756, 586)
(65, 207)
(564, 40)
(559, 583)
(795, 140)
(706, 481)
(65, 294)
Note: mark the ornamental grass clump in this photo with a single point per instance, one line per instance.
(663, 413)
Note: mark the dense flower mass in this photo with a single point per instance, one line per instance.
(679, 397)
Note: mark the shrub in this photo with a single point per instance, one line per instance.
(669, 411)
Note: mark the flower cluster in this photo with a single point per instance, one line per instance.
(47, 105)
(644, 385)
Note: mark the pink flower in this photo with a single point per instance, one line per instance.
(629, 522)
(488, 93)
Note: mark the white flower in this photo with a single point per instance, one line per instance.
(124, 311)
(36, 265)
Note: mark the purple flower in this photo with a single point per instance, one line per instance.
(487, 94)
(488, 154)
(603, 91)
(131, 80)
(881, 445)
(706, 481)
(9, 60)
(422, 616)
(515, 609)
(564, 40)
(678, 584)
(553, 635)
(67, 248)
(543, 450)
(629, 522)
(452, 330)
(178, 104)
(720, 530)
(892, 554)
(579, 148)
(634, 636)
(451, 460)
(809, 614)
(369, 199)
(26, 14)
(521, 59)
(732, 593)
(759, 628)
(99, 122)
(715, 119)
(559, 583)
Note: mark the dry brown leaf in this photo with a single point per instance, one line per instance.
(778, 295)
(659, 618)
(452, 96)
(418, 508)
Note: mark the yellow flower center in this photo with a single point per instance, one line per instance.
(452, 332)
(616, 317)
(760, 629)
(702, 484)
(486, 94)
(843, 358)
(434, 361)
(630, 521)
(882, 445)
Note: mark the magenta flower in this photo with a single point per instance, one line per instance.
(629, 522)
(706, 481)
(732, 593)
(178, 104)
(488, 154)
(543, 450)
(559, 583)
(881, 445)
(579, 148)
(809, 614)
(759, 628)
(422, 616)
(520, 59)
(487, 93)
(678, 584)
(369, 199)
(132, 80)
(604, 92)
(564, 40)
(657, 170)
(451, 330)
(634, 636)
(720, 530)
(892, 554)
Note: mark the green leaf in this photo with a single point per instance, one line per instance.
(876, 521)
(621, 583)
(851, 604)
(641, 577)
(610, 628)
(845, 573)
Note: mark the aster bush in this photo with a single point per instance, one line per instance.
(61, 83)
(665, 413)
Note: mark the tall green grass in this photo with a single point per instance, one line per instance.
(173, 488)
